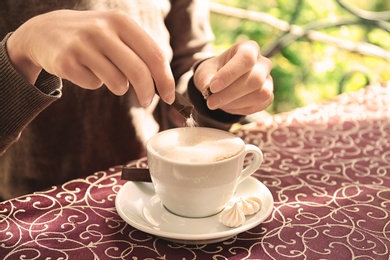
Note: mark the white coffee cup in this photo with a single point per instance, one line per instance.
(196, 170)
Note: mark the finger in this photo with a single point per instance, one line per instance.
(134, 69)
(239, 60)
(204, 74)
(83, 77)
(80, 75)
(252, 102)
(248, 83)
(154, 58)
(106, 71)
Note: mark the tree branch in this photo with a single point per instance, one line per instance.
(294, 32)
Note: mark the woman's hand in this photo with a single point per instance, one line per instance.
(91, 48)
(239, 80)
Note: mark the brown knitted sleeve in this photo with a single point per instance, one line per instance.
(21, 102)
(191, 41)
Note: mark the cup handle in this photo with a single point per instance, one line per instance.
(255, 163)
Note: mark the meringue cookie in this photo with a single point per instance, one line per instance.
(232, 217)
(250, 205)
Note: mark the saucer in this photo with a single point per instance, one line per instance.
(139, 206)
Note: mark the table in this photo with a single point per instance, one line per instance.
(326, 165)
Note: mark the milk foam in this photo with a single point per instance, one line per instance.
(197, 145)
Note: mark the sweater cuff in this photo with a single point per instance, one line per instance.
(207, 117)
(21, 102)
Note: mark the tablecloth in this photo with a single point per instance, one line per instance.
(327, 167)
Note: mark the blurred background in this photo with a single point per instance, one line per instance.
(319, 48)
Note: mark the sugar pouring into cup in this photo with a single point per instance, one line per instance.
(196, 170)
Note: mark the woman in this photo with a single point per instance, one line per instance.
(53, 53)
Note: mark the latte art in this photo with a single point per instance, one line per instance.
(197, 145)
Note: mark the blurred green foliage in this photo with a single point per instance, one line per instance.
(308, 71)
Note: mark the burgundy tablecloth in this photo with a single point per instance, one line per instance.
(327, 167)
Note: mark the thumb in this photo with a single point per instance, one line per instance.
(204, 73)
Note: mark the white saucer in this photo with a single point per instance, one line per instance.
(139, 206)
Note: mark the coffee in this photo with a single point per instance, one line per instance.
(190, 172)
(193, 144)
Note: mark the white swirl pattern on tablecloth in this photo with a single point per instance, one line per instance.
(327, 167)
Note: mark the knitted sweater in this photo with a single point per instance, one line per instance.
(54, 131)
